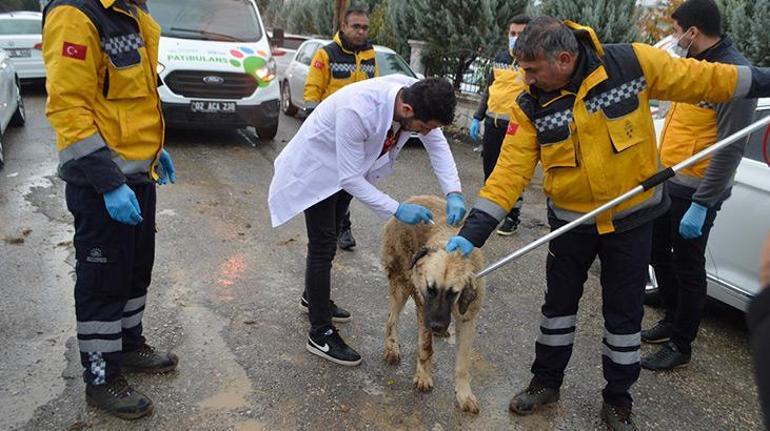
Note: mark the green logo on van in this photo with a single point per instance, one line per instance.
(252, 63)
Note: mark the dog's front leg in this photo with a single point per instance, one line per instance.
(466, 330)
(398, 297)
(423, 378)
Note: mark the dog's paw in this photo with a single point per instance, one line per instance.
(392, 355)
(423, 382)
(467, 402)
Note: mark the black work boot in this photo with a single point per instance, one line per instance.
(618, 418)
(667, 358)
(117, 398)
(658, 334)
(345, 239)
(330, 346)
(147, 360)
(339, 315)
(533, 398)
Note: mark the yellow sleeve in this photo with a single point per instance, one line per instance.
(516, 164)
(688, 80)
(317, 79)
(72, 56)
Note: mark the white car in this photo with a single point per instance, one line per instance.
(21, 37)
(735, 242)
(293, 81)
(215, 66)
(11, 104)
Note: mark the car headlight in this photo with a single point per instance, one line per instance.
(161, 68)
(3, 64)
(268, 73)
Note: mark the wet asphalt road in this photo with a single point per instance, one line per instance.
(225, 298)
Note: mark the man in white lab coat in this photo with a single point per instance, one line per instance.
(349, 143)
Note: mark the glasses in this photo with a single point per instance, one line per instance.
(363, 27)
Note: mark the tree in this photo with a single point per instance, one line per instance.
(760, 38)
(744, 21)
(611, 19)
(656, 22)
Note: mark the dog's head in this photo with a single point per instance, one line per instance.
(445, 282)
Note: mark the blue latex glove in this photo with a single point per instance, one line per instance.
(122, 205)
(455, 208)
(692, 222)
(458, 243)
(413, 214)
(167, 167)
(474, 130)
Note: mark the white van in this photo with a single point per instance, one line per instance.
(215, 66)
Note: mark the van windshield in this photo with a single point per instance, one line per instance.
(219, 20)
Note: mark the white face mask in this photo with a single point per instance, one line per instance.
(512, 42)
(678, 50)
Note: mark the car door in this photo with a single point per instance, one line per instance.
(299, 71)
(7, 90)
(736, 239)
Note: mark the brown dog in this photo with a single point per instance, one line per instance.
(442, 285)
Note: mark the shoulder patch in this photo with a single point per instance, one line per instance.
(74, 50)
(512, 128)
(318, 64)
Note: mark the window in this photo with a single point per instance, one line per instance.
(390, 64)
(218, 20)
(305, 56)
(20, 26)
(755, 143)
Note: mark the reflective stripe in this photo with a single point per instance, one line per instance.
(559, 322)
(135, 304)
(105, 346)
(556, 340)
(622, 358)
(566, 215)
(133, 321)
(686, 180)
(129, 167)
(81, 148)
(498, 117)
(97, 327)
(743, 86)
(311, 105)
(490, 208)
(623, 340)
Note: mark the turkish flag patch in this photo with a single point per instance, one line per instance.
(318, 64)
(73, 50)
(512, 128)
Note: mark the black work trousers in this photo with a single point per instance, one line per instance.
(113, 269)
(322, 221)
(492, 142)
(624, 260)
(680, 268)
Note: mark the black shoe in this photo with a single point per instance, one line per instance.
(339, 315)
(332, 347)
(147, 360)
(667, 358)
(658, 334)
(118, 398)
(345, 239)
(618, 418)
(508, 227)
(533, 398)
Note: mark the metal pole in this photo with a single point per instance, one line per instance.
(651, 182)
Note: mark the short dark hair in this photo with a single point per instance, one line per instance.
(701, 14)
(431, 99)
(355, 11)
(545, 35)
(520, 19)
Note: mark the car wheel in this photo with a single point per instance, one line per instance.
(287, 107)
(267, 131)
(20, 116)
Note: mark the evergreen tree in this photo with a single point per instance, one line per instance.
(759, 39)
(613, 20)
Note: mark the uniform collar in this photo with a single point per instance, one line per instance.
(717, 51)
(340, 40)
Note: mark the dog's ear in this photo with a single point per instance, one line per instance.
(467, 296)
(422, 252)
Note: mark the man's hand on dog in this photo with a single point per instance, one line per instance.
(455, 208)
(413, 214)
(458, 243)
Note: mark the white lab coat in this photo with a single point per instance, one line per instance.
(338, 147)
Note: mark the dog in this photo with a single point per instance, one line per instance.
(443, 285)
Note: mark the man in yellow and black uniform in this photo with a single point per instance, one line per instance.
(585, 118)
(504, 84)
(349, 58)
(101, 59)
(697, 192)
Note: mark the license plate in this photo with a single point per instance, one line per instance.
(23, 52)
(212, 107)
